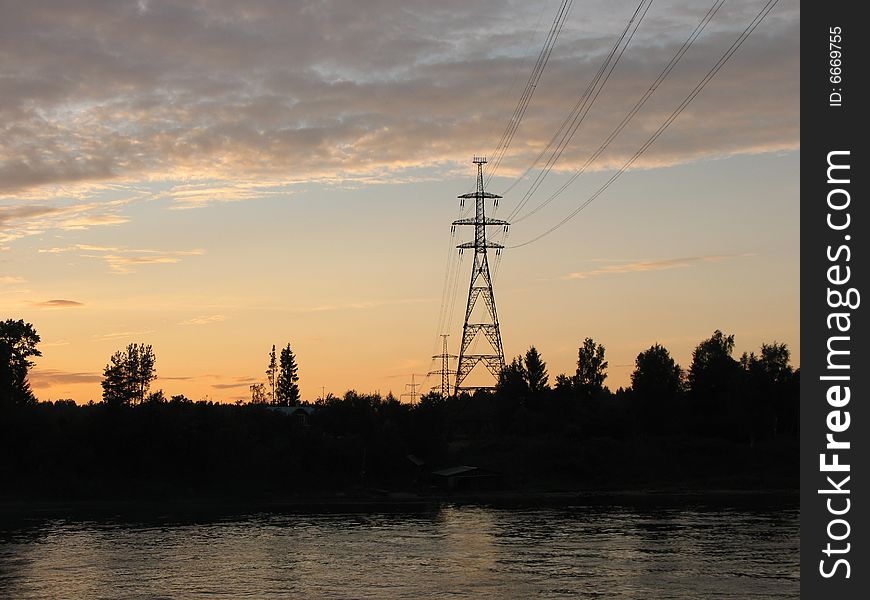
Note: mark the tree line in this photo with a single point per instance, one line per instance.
(128, 375)
(755, 393)
(724, 419)
(761, 385)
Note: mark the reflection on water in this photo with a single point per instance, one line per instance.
(458, 551)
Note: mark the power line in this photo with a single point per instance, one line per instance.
(578, 106)
(531, 85)
(516, 77)
(583, 105)
(698, 88)
(578, 113)
(636, 108)
(449, 287)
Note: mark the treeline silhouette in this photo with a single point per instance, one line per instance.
(723, 423)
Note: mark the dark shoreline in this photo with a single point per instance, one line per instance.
(205, 507)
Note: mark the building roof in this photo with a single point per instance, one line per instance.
(458, 470)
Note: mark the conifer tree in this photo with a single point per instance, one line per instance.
(288, 389)
(536, 372)
(271, 375)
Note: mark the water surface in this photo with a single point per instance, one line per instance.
(451, 552)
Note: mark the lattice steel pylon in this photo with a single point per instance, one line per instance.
(445, 371)
(480, 286)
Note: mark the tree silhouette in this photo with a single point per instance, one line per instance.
(769, 385)
(713, 372)
(272, 374)
(536, 372)
(288, 376)
(512, 380)
(258, 394)
(656, 375)
(18, 342)
(591, 368)
(772, 365)
(128, 375)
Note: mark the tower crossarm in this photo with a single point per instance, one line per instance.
(439, 372)
(479, 195)
(467, 245)
(486, 221)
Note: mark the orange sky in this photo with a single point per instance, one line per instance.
(213, 179)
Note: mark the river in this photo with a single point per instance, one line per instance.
(447, 552)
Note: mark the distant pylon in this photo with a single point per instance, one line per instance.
(480, 286)
(413, 393)
(445, 370)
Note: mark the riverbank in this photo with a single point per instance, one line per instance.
(382, 501)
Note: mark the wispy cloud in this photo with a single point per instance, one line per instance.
(204, 320)
(125, 263)
(236, 382)
(54, 344)
(199, 194)
(86, 221)
(650, 265)
(57, 304)
(121, 334)
(124, 260)
(43, 378)
(18, 221)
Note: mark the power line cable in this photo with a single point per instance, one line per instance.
(698, 88)
(578, 114)
(635, 109)
(531, 85)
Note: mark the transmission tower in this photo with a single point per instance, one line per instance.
(413, 387)
(480, 286)
(445, 370)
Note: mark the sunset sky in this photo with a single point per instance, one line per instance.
(215, 177)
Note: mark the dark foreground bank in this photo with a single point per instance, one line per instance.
(365, 448)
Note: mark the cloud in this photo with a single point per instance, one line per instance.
(121, 334)
(125, 263)
(237, 382)
(199, 194)
(650, 265)
(124, 260)
(9, 279)
(204, 320)
(43, 378)
(17, 221)
(13, 213)
(86, 221)
(55, 344)
(57, 304)
(98, 92)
